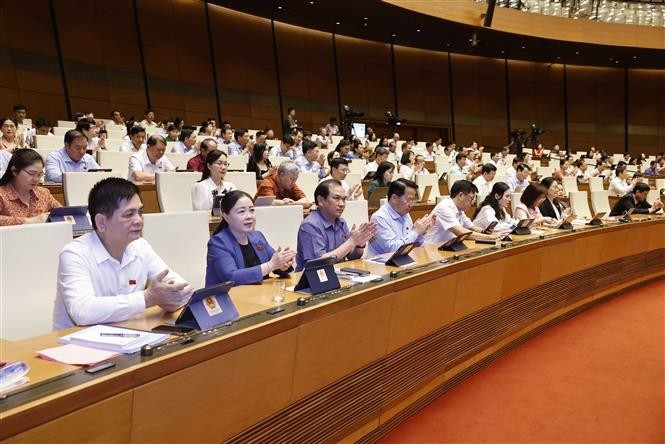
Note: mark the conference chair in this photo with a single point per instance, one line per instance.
(180, 160)
(114, 133)
(237, 162)
(307, 182)
(28, 277)
(660, 184)
(113, 144)
(49, 142)
(353, 179)
(45, 152)
(357, 165)
(355, 213)
(66, 124)
(514, 200)
(59, 131)
(243, 181)
(527, 150)
(580, 204)
(452, 178)
(596, 184)
(423, 180)
(544, 171)
(77, 186)
(180, 239)
(151, 130)
(118, 161)
(498, 178)
(569, 184)
(441, 165)
(174, 190)
(285, 233)
(653, 196)
(600, 202)
(479, 199)
(502, 170)
(277, 160)
(273, 142)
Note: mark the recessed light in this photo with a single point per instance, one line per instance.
(365, 25)
(611, 59)
(634, 57)
(279, 7)
(364, 18)
(448, 45)
(577, 53)
(338, 23)
(394, 35)
(417, 30)
(616, 61)
(523, 47)
(503, 52)
(311, 3)
(558, 58)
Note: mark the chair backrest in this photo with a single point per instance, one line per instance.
(77, 186)
(600, 201)
(660, 184)
(48, 142)
(243, 181)
(353, 179)
(282, 234)
(596, 184)
(580, 204)
(59, 131)
(237, 162)
(45, 152)
(423, 180)
(174, 190)
(355, 213)
(307, 183)
(116, 160)
(452, 178)
(26, 304)
(277, 160)
(569, 184)
(652, 196)
(113, 144)
(514, 200)
(66, 124)
(441, 165)
(180, 160)
(181, 240)
(114, 132)
(545, 171)
(357, 166)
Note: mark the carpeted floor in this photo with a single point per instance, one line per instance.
(598, 377)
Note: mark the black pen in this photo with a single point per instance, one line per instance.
(121, 335)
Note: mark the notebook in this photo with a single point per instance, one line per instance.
(115, 339)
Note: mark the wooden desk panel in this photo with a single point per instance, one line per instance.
(215, 399)
(478, 287)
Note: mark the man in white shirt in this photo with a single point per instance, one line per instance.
(323, 139)
(520, 180)
(460, 166)
(494, 158)
(149, 120)
(428, 154)
(144, 164)
(503, 158)
(451, 221)
(339, 169)
(484, 181)
(284, 149)
(582, 173)
(311, 161)
(227, 137)
(102, 275)
(118, 122)
(186, 142)
(136, 140)
(380, 155)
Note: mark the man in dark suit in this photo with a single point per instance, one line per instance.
(636, 199)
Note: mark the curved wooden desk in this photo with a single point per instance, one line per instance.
(351, 366)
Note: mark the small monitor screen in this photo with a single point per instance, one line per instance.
(359, 130)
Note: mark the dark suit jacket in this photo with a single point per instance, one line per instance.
(547, 209)
(627, 202)
(225, 261)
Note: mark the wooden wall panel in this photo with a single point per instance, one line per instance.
(29, 69)
(365, 76)
(245, 69)
(480, 100)
(423, 89)
(102, 73)
(646, 111)
(595, 108)
(307, 74)
(536, 96)
(177, 59)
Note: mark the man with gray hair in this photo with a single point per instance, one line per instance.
(283, 186)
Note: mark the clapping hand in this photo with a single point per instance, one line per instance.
(364, 233)
(282, 259)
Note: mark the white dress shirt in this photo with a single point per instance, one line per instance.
(310, 167)
(619, 187)
(276, 151)
(5, 156)
(486, 216)
(145, 124)
(456, 169)
(202, 193)
(181, 148)
(447, 216)
(484, 187)
(128, 147)
(514, 183)
(406, 172)
(95, 288)
(140, 162)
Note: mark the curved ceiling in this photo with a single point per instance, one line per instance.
(380, 21)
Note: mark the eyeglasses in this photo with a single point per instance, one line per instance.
(9, 125)
(38, 174)
(469, 196)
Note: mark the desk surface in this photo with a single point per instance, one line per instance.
(362, 303)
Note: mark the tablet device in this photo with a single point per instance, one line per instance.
(401, 258)
(597, 219)
(208, 307)
(264, 201)
(522, 227)
(370, 175)
(425, 196)
(374, 199)
(77, 216)
(318, 276)
(456, 243)
(490, 227)
(566, 224)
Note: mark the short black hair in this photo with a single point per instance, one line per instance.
(106, 195)
(308, 145)
(152, 140)
(42, 122)
(19, 106)
(288, 140)
(72, 135)
(462, 186)
(135, 130)
(185, 133)
(487, 168)
(337, 161)
(398, 187)
(522, 166)
(239, 132)
(323, 189)
(641, 187)
(85, 124)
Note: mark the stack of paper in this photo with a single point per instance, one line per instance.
(13, 374)
(76, 355)
(115, 339)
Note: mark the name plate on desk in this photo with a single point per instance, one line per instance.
(208, 308)
(318, 276)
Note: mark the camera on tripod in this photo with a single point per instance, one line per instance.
(393, 121)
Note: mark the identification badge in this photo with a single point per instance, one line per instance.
(323, 277)
(212, 306)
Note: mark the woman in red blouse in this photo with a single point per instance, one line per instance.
(22, 201)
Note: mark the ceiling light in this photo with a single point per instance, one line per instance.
(279, 7)
(338, 23)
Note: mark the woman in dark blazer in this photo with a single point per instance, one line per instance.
(552, 206)
(237, 252)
